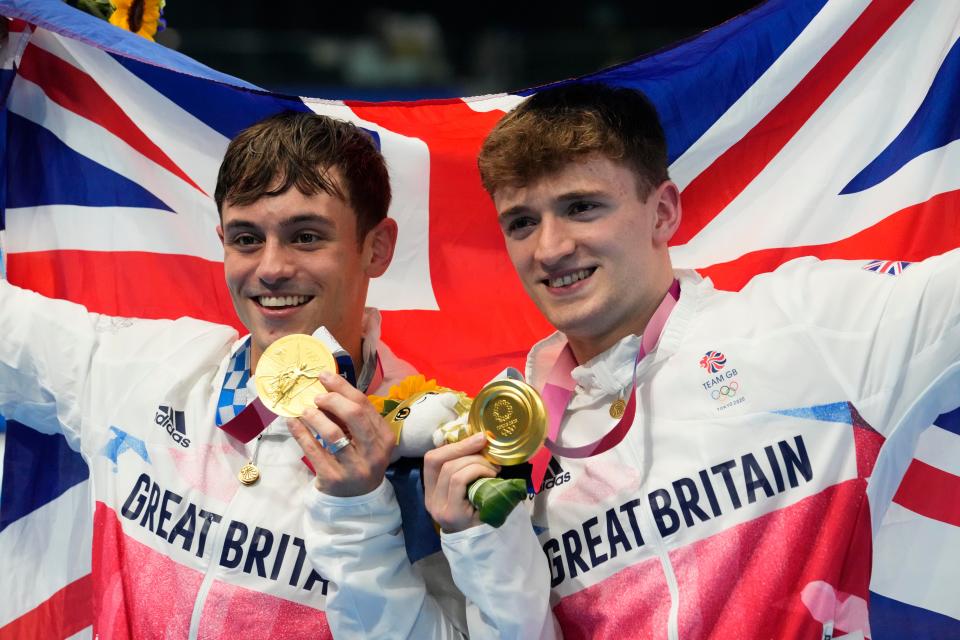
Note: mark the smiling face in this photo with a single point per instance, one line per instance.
(293, 263)
(590, 251)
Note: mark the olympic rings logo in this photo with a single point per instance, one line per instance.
(502, 410)
(728, 390)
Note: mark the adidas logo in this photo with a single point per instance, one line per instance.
(555, 475)
(172, 421)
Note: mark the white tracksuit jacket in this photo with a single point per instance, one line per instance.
(180, 548)
(773, 427)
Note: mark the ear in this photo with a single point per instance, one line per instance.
(220, 233)
(378, 247)
(668, 214)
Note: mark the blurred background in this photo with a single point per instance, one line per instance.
(414, 50)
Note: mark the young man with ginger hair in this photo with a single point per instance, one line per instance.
(720, 460)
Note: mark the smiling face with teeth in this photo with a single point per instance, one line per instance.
(590, 250)
(295, 262)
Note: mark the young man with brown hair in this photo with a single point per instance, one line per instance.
(161, 410)
(719, 460)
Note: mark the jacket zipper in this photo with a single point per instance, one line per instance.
(215, 550)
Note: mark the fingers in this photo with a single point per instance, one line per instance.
(434, 459)
(448, 472)
(455, 477)
(344, 412)
(308, 427)
(318, 456)
(467, 446)
(336, 384)
(344, 473)
(359, 420)
(353, 412)
(304, 437)
(322, 425)
(450, 506)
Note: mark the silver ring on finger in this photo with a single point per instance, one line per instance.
(336, 447)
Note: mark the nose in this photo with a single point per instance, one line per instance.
(554, 242)
(276, 265)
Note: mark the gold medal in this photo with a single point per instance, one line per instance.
(248, 474)
(617, 408)
(287, 374)
(512, 415)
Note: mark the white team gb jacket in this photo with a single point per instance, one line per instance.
(773, 428)
(180, 548)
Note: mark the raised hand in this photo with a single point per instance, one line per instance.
(447, 472)
(358, 440)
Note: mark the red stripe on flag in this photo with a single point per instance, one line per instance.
(65, 613)
(17, 25)
(912, 234)
(76, 91)
(931, 492)
(129, 283)
(486, 322)
(728, 175)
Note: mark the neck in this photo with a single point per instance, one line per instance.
(356, 354)
(585, 348)
(349, 334)
(584, 351)
(255, 354)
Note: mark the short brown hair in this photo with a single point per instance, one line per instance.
(560, 125)
(296, 149)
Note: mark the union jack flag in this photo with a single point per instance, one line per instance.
(801, 128)
(889, 267)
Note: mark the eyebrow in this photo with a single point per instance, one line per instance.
(512, 212)
(239, 225)
(307, 218)
(581, 195)
(297, 220)
(569, 196)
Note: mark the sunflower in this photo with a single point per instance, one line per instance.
(400, 392)
(142, 17)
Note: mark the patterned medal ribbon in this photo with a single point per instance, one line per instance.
(233, 394)
(246, 421)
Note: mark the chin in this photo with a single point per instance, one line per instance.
(268, 336)
(571, 326)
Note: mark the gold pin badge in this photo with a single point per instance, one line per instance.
(617, 408)
(248, 474)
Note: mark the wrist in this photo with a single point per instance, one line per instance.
(460, 525)
(332, 499)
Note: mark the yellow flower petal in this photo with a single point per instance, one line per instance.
(378, 402)
(408, 387)
(150, 19)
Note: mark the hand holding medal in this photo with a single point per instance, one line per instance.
(511, 416)
(287, 380)
(340, 432)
